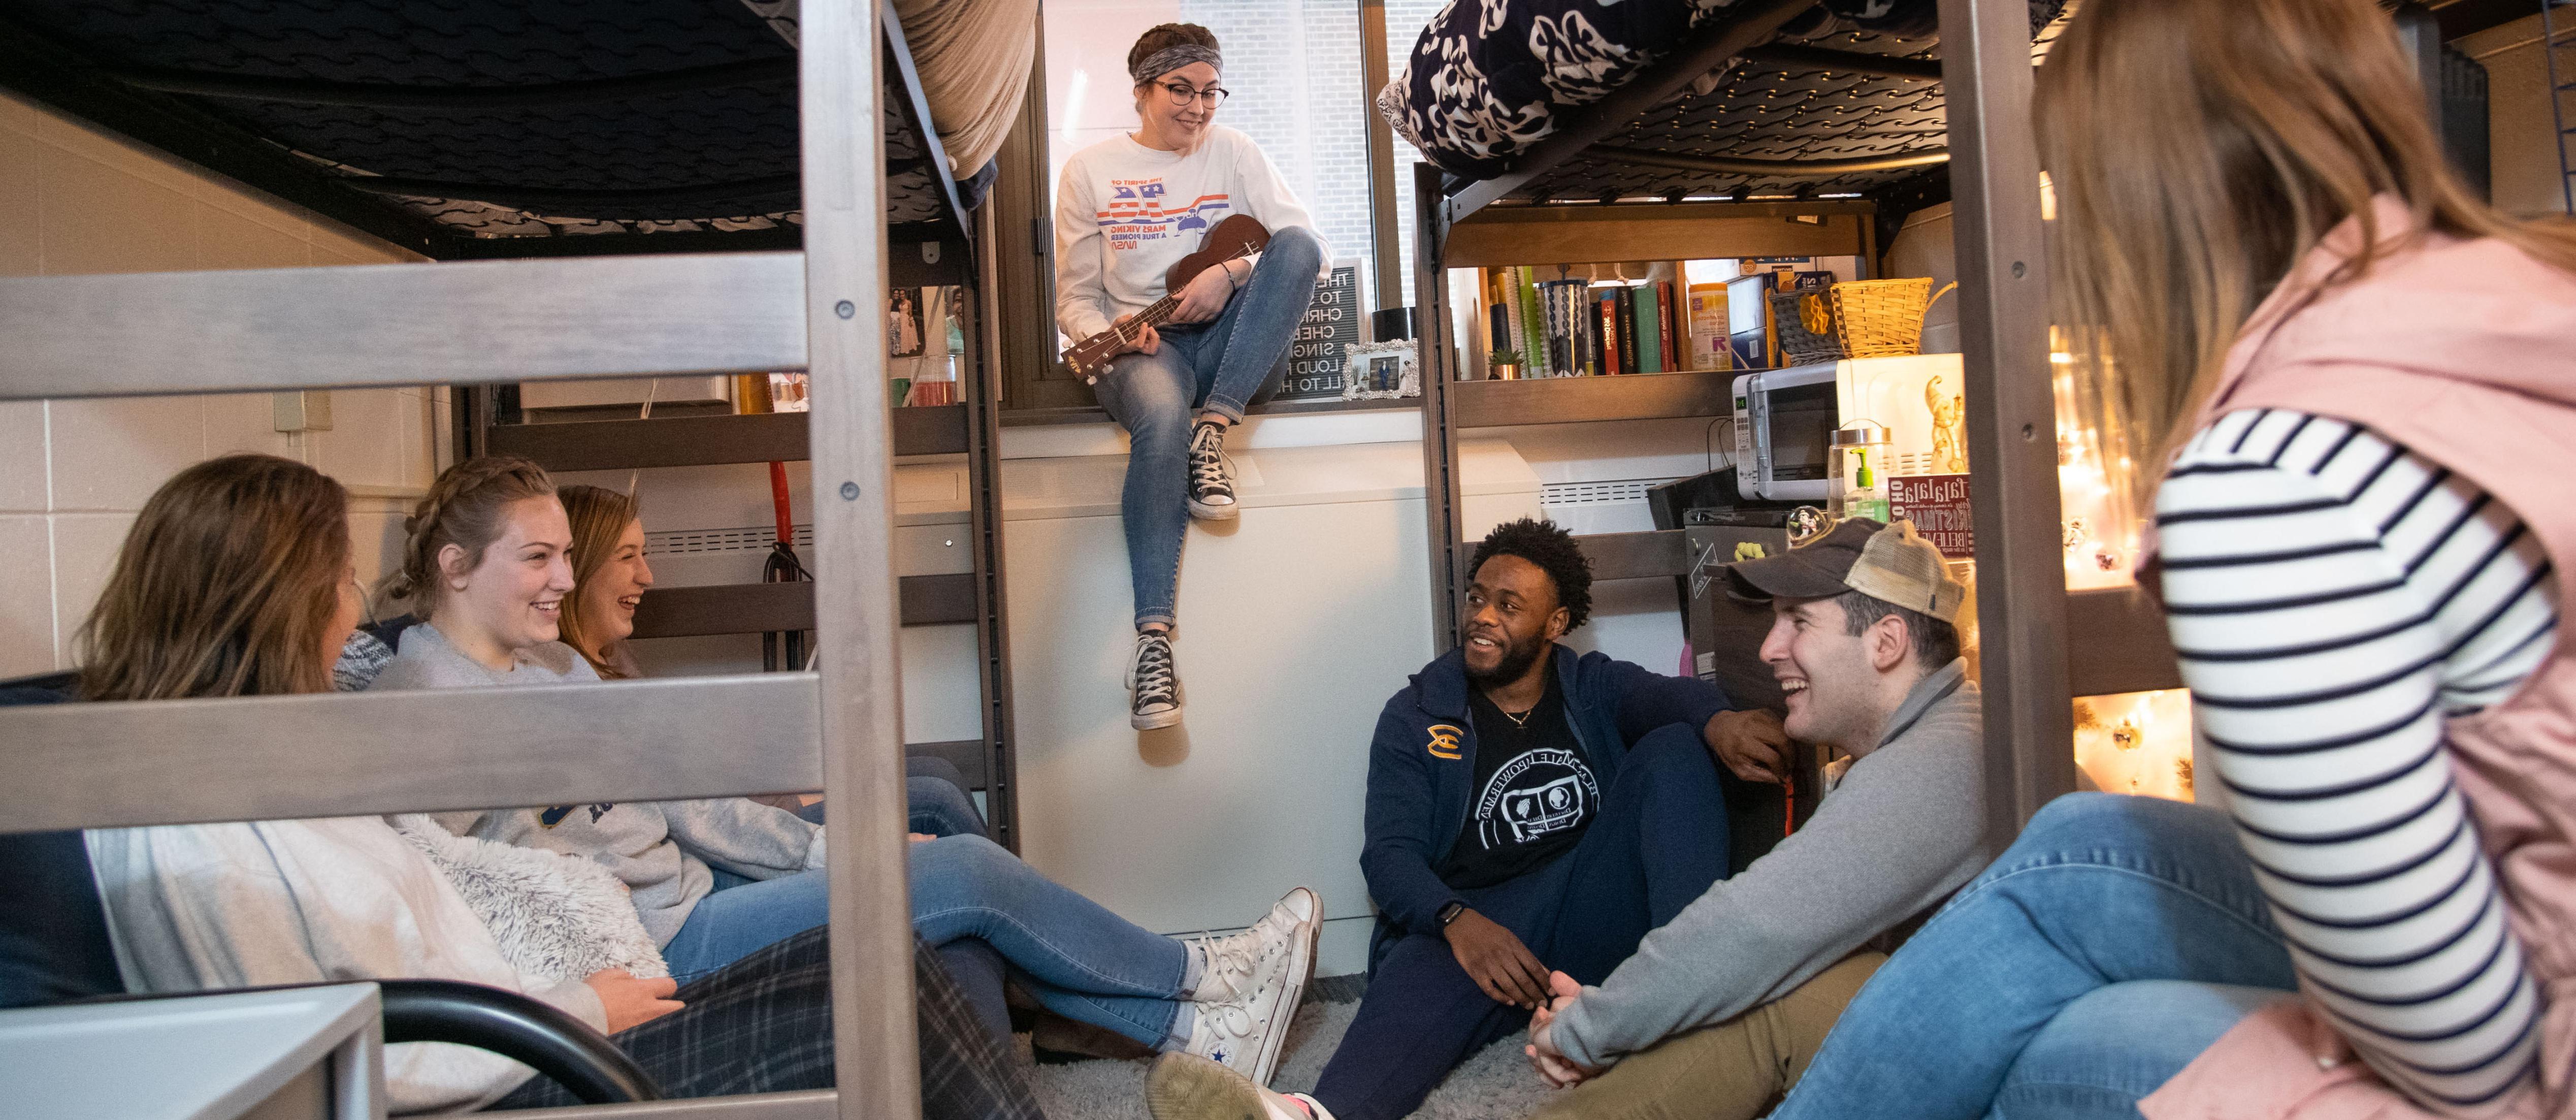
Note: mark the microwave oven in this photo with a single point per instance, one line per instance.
(1785, 420)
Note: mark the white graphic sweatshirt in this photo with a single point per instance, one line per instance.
(1126, 213)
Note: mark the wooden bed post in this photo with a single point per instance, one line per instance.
(855, 618)
(2012, 422)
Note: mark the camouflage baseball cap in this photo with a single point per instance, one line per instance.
(1891, 563)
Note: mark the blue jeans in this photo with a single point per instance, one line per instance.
(1217, 365)
(744, 914)
(937, 804)
(1080, 960)
(2111, 944)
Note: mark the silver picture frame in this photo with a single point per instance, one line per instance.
(1381, 371)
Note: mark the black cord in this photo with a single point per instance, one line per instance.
(1708, 439)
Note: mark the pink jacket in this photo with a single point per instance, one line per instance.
(2464, 352)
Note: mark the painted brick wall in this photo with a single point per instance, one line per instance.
(76, 200)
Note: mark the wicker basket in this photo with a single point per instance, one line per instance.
(1883, 318)
(1803, 321)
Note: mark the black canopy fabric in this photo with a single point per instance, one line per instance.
(496, 117)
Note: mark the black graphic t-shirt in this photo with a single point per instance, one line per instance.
(1534, 794)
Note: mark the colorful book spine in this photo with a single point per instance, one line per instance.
(1627, 313)
(1664, 333)
(1515, 338)
(1606, 318)
(1708, 327)
(1650, 359)
(1533, 324)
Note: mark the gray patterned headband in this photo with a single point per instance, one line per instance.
(1169, 59)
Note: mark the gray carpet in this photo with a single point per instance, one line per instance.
(1496, 1084)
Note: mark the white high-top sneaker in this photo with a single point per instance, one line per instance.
(1293, 923)
(1189, 1087)
(1251, 984)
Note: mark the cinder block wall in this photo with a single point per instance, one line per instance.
(73, 200)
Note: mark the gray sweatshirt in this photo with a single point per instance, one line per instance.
(661, 850)
(1903, 829)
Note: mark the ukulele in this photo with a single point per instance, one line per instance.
(1235, 237)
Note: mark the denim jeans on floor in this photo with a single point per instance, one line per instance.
(1082, 961)
(1218, 365)
(2116, 939)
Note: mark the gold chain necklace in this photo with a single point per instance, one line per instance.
(1520, 718)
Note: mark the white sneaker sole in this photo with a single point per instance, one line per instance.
(1153, 721)
(1301, 969)
(1226, 512)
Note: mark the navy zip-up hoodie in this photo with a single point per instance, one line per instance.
(1422, 766)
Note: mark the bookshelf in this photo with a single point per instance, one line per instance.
(1659, 170)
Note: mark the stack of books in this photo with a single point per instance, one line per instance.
(1573, 327)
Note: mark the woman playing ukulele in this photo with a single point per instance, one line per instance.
(1129, 208)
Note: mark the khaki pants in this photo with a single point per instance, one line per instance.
(1735, 1070)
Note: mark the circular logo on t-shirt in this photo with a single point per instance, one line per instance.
(1538, 793)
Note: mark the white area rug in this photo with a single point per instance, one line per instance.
(1496, 1084)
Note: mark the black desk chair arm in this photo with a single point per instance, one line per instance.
(537, 1034)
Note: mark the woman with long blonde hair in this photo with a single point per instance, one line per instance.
(609, 576)
(2355, 386)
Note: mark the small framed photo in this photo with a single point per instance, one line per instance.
(1378, 371)
(904, 323)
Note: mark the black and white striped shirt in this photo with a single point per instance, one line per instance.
(2335, 597)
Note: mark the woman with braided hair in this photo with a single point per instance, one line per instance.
(489, 567)
(490, 561)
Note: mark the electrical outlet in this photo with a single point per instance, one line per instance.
(307, 411)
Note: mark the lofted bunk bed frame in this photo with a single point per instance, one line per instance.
(1652, 172)
(1632, 177)
(931, 237)
(598, 306)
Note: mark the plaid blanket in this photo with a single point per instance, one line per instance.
(764, 1024)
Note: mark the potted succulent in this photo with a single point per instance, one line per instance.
(1503, 365)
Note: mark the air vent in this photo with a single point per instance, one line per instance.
(754, 538)
(1597, 493)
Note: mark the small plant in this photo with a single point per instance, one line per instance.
(1503, 358)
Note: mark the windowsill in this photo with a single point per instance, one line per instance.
(1027, 417)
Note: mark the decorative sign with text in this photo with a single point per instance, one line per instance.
(1315, 357)
(1938, 506)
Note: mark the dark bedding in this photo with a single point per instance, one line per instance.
(1489, 78)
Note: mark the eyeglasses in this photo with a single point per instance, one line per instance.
(1182, 94)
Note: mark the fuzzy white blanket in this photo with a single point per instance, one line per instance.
(557, 916)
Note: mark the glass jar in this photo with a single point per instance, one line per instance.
(1855, 485)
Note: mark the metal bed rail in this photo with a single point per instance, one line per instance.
(109, 764)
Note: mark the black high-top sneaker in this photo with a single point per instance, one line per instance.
(1211, 484)
(1153, 686)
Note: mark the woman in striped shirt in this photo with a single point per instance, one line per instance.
(2355, 371)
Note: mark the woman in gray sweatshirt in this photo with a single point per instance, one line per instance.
(488, 565)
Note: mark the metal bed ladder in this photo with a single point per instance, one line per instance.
(837, 728)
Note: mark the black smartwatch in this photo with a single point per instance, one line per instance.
(1450, 913)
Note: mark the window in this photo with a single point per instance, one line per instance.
(1293, 67)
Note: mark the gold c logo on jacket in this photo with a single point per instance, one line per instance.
(1444, 741)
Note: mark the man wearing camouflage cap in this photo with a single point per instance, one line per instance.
(1719, 1010)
